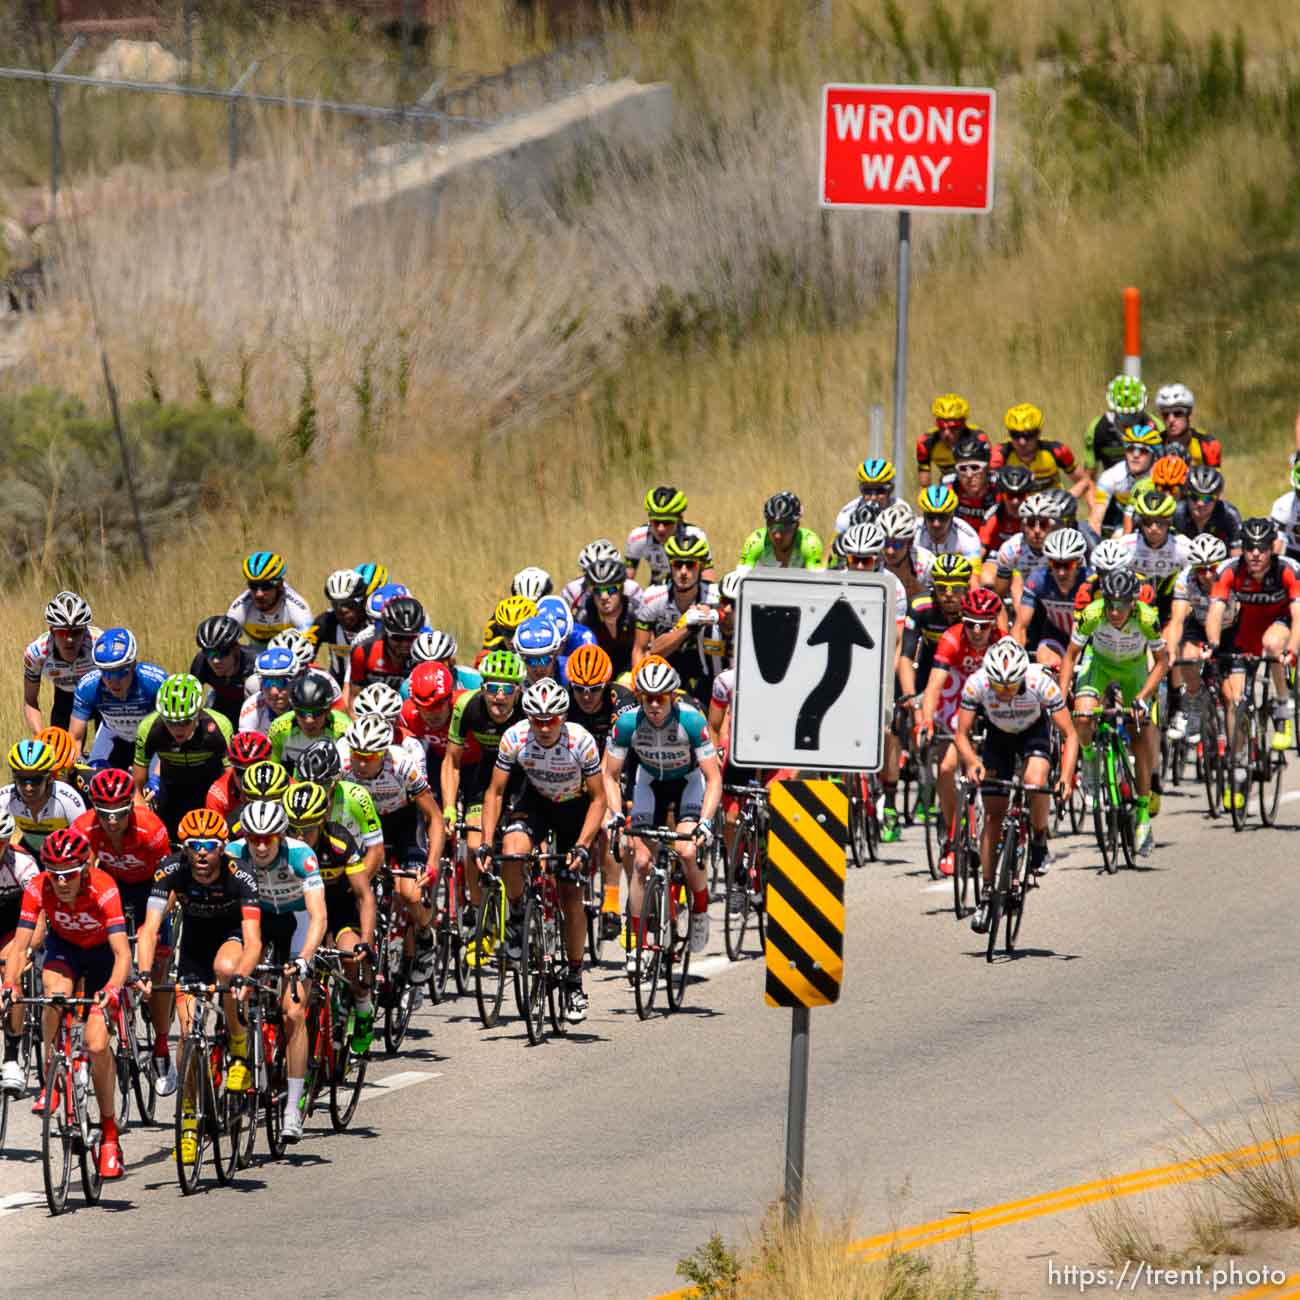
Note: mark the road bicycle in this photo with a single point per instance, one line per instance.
(930, 797)
(31, 1051)
(489, 951)
(395, 993)
(663, 938)
(964, 835)
(746, 899)
(1011, 878)
(864, 824)
(331, 1020)
(541, 973)
(1114, 785)
(1252, 760)
(449, 899)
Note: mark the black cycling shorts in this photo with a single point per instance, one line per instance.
(1003, 748)
(536, 816)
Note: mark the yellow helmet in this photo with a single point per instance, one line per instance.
(939, 499)
(879, 473)
(32, 758)
(1151, 503)
(1024, 417)
(951, 571)
(950, 406)
(512, 611)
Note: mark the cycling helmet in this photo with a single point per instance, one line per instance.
(369, 734)
(218, 634)
(605, 571)
(111, 788)
(537, 636)
(782, 508)
(502, 666)
(403, 616)
(601, 549)
(545, 699)
(263, 817)
(374, 576)
(1120, 584)
(1295, 474)
(1014, 479)
(432, 686)
(297, 645)
(1174, 395)
(1141, 435)
(939, 499)
(1065, 544)
(1037, 503)
(511, 612)
(276, 664)
(1205, 480)
(1178, 450)
(61, 742)
(1153, 504)
(67, 609)
(532, 582)
(8, 827)
(1024, 417)
(897, 522)
(1126, 395)
(264, 566)
(556, 608)
(981, 605)
(971, 448)
(729, 587)
(876, 472)
(247, 748)
(378, 700)
(313, 691)
(1205, 548)
(433, 647)
(345, 585)
(115, 648)
(1169, 472)
(179, 698)
(862, 540)
(380, 597)
(66, 847)
(656, 676)
(1257, 532)
(31, 758)
(306, 804)
(590, 665)
(265, 780)
(951, 571)
(866, 511)
(1112, 554)
(665, 503)
(1062, 505)
(692, 546)
(203, 824)
(1006, 663)
(950, 406)
(321, 762)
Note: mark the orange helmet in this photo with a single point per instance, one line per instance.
(203, 824)
(64, 747)
(1169, 472)
(589, 665)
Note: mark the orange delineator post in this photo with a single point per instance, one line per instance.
(1133, 332)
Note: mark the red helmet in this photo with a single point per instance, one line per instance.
(66, 847)
(981, 605)
(432, 685)
(111, 788)
(248, 747)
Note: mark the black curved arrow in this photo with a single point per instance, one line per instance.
(840, 630)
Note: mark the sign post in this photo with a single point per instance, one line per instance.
(902, 148)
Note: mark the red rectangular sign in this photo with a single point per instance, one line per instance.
(907, 147)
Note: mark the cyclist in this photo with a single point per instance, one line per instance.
(223, 665)
(1045, 615)
(276, 670)
(310, 717)
(226, 793)
(425, 719)
(263, 780)
(1116, 483)
(537, 642)
(17, 870)
(782, 543)
(506, 618)
(1111, 554)
(1014, 484)
(351, 806)
(190, 744)
(68, 766)
(268, 604)
(677, 767)
(604, 606)
(601, 549)
(1018, 559)
(1169, 474)
(1126, 399)
(1185, 633)
(561, 763)
(875, 489)
(1203, 509)
(572, 632)
(940, 530)
(903, 556)
(1020, 702)
(532, 582)
(120, 692)
(349, 899)
(291, 894)
(1285, 512)
(63, 655)
(1175, 403)
(35, 800)
(85, 942)
(387, 657)
(1046, 460)
(1122, 632)
(1158, 553)
(665, 509)
(935, 450)
(218, 901)
(977, 500)
(438, 647)
(337, 628)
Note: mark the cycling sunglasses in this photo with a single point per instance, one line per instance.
(656, 700)
(208, 845)
(547, 722)
(860, 562)
(1147, 521)
(33, 778)
(64, 875)
(588, 690)
(311, 713)
(1182, 412)
(499, 688)
(1038, 521)
(1203, 498)
(971, 467)
(116, 674)
(538, 661)
(1112, 604)
(263, 586)
(262, 839)
(1024, 435)
(1250, 548)
(695, 564)
(609, 589)
(977, 625)
(1061, 564)
(216, 656)
(897, 543)
(949, 424)
(368, 753)
(113, 814)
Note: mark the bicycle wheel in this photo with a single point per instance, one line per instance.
(318, 1050)
(445, 928)
(734, 924)
(490, 938)
(1105, 821)
(649, 949)
(863, 834)
(4, 1116)
(397, 1014)
(1015, 913)
(144, 1076)
(57, 1134)
(997, 899)
(88, 1125)
(679, 949)
(277, 1097)
(1211, 760)
(192, 1087)
(1126, 808)
(225, 1153)
(1268, 773)
(241, 1124)
(1239, 762)
(557, 987)
(349, 1074)
(532, 972)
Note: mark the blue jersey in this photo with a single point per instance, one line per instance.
(284, 885)
(668, 752)
(120, 717)
(1053, 607)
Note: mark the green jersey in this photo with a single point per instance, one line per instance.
(288, 740)
(353, 809)
(1118, 645)
(806, 553)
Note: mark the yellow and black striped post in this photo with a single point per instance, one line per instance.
(805, 892)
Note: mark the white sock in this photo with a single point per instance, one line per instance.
(295, 1093)
(363, 1005)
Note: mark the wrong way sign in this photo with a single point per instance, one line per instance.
(907, 147)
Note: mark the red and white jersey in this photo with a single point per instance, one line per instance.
(560, 771)
(17, 870)
(88, 920)
(961, 660)
(143, 847)
(412, 729)
(41, 659)
(401, 779)
(1039, 694)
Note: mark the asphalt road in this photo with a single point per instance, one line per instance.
(586, 1167)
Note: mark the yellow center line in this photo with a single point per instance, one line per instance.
(1289, 1286)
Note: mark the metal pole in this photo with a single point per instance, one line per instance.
(140, 533)
(796, 1116)
(900, 350)
(56, 124)
(876, 424)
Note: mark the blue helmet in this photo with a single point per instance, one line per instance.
(382, 595)
(537, 636)
(115, 648)
(276, 662)
(556, 608)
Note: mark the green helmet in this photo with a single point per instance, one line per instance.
(502, 666)
(180, 698)
(690, 547)
(1295, 473)
(1151, 503)
(307, 803)
(1126, 395)
(665, 502)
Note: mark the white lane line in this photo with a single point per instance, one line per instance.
(396, 1082)
(707, 966)
(20, 1201)
(938, 887)
(1291, 797)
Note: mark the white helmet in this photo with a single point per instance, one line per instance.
(863, 540)
(67, 609)
(1205, 548)
(897, 521)
(1174, 395)
(545, 699)
(729, 587)
(1110, 555)
(302, 650)
(655, 677)
(1065, 544)
(532, 582)
(263, 817)
(435, 645)
(601, 549)
(1006, 662)
(8, 827)
(378, 700)
(369, 733)
(344, 584)
(1038, 503)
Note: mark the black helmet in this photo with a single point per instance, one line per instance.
(1062, 505)
(219, 634)
(783, 508)
(865, 512)
(313, 690)
(1258, 533)
(605, 571)
(402, 616)
(1015, 478)
(971, 448)
(1205, 480)
(1120, 584)
(320, 761)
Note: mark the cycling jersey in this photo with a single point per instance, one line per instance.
(616, 642)
(1224, 523)
(288, 739)
(432, 742)
(806, 552)
(188, 764)
(372, 660)
(1016, 556)
(337, 858)
(225, 694)
(62, 806)
(724, 689)
(222, 795)
(1158, 563)
(282, 885)
(955, 654)
(615, 701)
(668, 752)
(934, 453)
(326, 632)
(704, 652)
(17, 870)
(256, 715)
(977, 510)
(1187, 588)
(400, 780)
(352, 808)
(1115, 486)
(290, 611)
(1050, 464)
(474, 727)
(922, 631)
(1286, 514)
(560, 771)
(220, 905)
(144, 845)
(1053, 607)
(960, 539)
(1039, 696)
(642, 545)
(1103, 442)
(1201, 449)
(844, 516)
(1089, 591)
(121, 718)
(86, 922)
(1118, 645)
(1263, 601)
(41, 660)
(1001, 526)
(576, 589)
